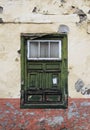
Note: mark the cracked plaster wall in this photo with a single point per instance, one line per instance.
(32, 16)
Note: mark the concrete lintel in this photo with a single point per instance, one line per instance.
(45, 19)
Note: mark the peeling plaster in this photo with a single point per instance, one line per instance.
(1, 9)
(73, 111)
(89, 12)
(9, 105)
(81, 87)
(85, 104)
(88, 27)
(57, 120)
(81, 15)
(1, 20)
(78, 85)
(63, 29)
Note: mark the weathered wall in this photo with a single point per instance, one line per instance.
(48, 16)
(32, 16)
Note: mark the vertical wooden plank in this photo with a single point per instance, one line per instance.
(26, 69)
(22, 63)
(64, 67)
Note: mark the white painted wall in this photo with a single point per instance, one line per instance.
(19, 17)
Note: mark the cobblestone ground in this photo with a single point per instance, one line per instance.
(76, 117)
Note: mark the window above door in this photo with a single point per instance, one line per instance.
(44, 49)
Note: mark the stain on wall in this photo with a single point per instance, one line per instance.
(1, 9)
(81, 87)
(63, 29)
(81, 15)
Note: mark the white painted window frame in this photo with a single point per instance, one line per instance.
(28, 49)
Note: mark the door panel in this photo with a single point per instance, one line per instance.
(32, 80)
(44, 74)
(53, 66)
(34, 66)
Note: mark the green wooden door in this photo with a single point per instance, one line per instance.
(44, 72)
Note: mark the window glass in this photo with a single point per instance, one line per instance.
(54, 49)
(33, 49)
(44, 49)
